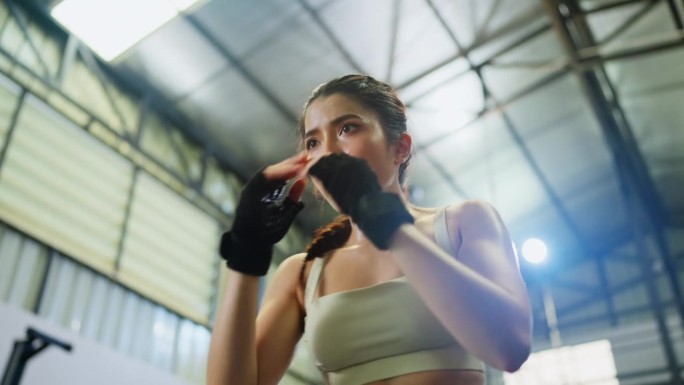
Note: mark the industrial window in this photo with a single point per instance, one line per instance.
(585, 364)
(64, 187)
(169, 249)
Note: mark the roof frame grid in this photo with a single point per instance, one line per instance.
(648, 7)
(630, 166)
(640, 196)
(261, 88)
(520, 143)
(331, 36)
(587, 59)
(676, 17)
(394, 32)
(479, 43)
(29, 39)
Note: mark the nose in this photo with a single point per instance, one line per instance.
(331, 147)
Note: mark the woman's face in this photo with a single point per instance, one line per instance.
(338, 123)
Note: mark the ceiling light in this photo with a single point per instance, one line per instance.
(534, 250)
(110, 27)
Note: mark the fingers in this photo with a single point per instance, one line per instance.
(297, 190)
(288, 168)
(298, 167)
(294, 167)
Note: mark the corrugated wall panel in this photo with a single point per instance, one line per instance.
(9, 93)
(22, 265)
(32, 262)
(64, 187)
(170, 249)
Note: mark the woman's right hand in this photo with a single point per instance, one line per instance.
(288, 169)
(263, 215)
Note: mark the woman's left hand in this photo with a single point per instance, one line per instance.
(346, 179)
(357, 192)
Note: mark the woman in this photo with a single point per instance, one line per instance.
(390, 293)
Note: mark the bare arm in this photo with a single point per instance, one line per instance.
(246, 352)
(240, 340)
(480, 296)
(232, 353)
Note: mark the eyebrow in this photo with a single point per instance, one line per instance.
(333, 122)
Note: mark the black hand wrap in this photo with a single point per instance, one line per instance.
(262, 218)
(355, 189)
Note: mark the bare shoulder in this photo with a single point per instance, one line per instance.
(484, 243)
(291, 264)
(471, 208)
(291, 275)
(475, 216)
(289, 270)
(286, 276)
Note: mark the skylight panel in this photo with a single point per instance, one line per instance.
(110, 27)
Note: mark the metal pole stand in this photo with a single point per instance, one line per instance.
(35, 343)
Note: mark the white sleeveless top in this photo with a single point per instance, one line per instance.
(363, 335)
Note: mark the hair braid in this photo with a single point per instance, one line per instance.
(329, 237)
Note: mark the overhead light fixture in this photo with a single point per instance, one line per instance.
(110, 27)
(534, 250)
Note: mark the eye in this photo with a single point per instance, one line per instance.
(347, 128)
(311, 143)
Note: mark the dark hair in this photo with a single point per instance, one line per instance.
(373, 94)
(379, 97)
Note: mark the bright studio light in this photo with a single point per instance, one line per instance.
(534, 250)
(110, 27)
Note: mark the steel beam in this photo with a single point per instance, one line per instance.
(184, 162)
(606, 291)
(584, 61)
(12, 126)
(555, 199)
(646, 9)
(126, 219)
(394, 31)
(93, 65)
(490, 15)
(447, 177)
(589, 58)
(517, 138)
(241, 69)
(630, 165)
(24, 29)
(587, 61)
(655, 302)
(631, 169)
(68, 57)
(676, 17)
(37, 305)
(459, 55)
(614, 4)
(331, 36)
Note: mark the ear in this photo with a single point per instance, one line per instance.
(402, 149)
